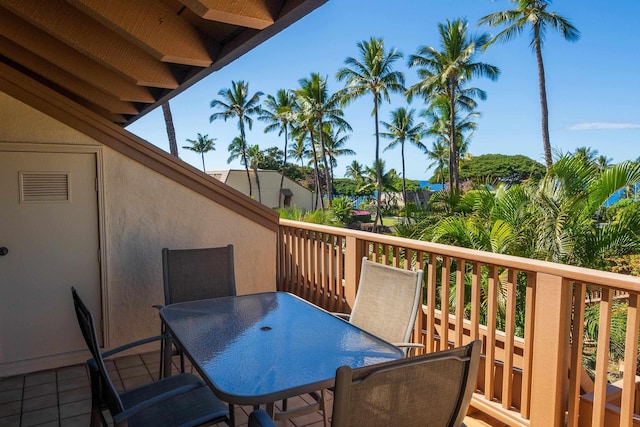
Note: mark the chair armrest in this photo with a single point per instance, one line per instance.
(155, 400)
(133, 344)
(343, 316)
(410, 346)
(260, 418)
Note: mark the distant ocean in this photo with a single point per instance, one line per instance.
(610, 201)
(432, 187)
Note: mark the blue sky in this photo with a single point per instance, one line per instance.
(592, 85)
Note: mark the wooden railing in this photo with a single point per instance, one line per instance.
(529, 315)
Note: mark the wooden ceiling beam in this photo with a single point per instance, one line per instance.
(152, 26)
(70, 60)
(70, 25)
(246, 13)
(64, 79)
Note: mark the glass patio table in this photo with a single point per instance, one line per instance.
(260, 348)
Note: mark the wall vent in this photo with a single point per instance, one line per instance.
(38, 187)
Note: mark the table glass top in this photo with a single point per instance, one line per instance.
(261, 345)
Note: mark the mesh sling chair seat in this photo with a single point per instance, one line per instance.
(387, 302)
(386, 305)
(194, 274)
(181, 400)
(431, 390)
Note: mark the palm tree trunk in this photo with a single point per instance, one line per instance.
(326, 165)
(317, 172)
(244, 155)
(453, 164)
(171, 131)
(546, 143)
(203, 168)
(404, 178)
(378, 168)
(284, 165)
(255, 171)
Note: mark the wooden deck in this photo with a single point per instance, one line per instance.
(62, 397)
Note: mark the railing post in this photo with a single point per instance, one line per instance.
(550, 350)
(354, 251)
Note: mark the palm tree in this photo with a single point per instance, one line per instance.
(445, 72)
(372, 73)
(587, 154)
(254, 155)
(203, 144)
(316, 103)
(299, 151)
(334, 145)
(236, 102)
(306, 125)
(400, 130)
(171, 130)
(534, 13)
(602, 162)
(439, 122)
(278, 113)
(355, 171)
(439, 153)
(235, 150)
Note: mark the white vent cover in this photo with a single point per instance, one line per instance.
(38, 187)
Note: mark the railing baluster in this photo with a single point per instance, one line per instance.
(630, 362)
(460, 285)
(444, 302)
(396, 257)
(527, 364)
(490, 356)
(575, 364)
(431, 304)
(475, 300)
(602, 359)
(509, 332)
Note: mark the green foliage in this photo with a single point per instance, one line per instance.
(501, 168)
(342, 209)
(271, 158)
(345, 187)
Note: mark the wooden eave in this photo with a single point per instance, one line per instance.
(122, 58)
(99, 65)
(67, 111)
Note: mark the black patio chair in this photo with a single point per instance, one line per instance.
(194, 274)
(181, 400)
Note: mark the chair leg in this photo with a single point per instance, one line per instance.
(97, 420)
(166, 358)
(323, 407)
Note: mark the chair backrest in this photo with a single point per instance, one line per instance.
(195, 274)
(101, 385)
(387, 301)
(429, 390)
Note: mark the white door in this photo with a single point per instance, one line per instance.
(49, 227)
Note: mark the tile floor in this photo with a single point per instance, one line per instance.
(62, 397)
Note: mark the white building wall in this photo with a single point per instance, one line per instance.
(144, 212)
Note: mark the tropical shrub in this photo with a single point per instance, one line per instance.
(342, 209)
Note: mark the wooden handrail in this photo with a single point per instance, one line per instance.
(528, 314)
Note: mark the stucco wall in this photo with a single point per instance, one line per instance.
(270, 188)
(144, 212)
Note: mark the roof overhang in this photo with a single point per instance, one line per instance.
(123, 58)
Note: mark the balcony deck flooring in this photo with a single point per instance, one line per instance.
(62, 397)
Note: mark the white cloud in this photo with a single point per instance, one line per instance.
(603, 125)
